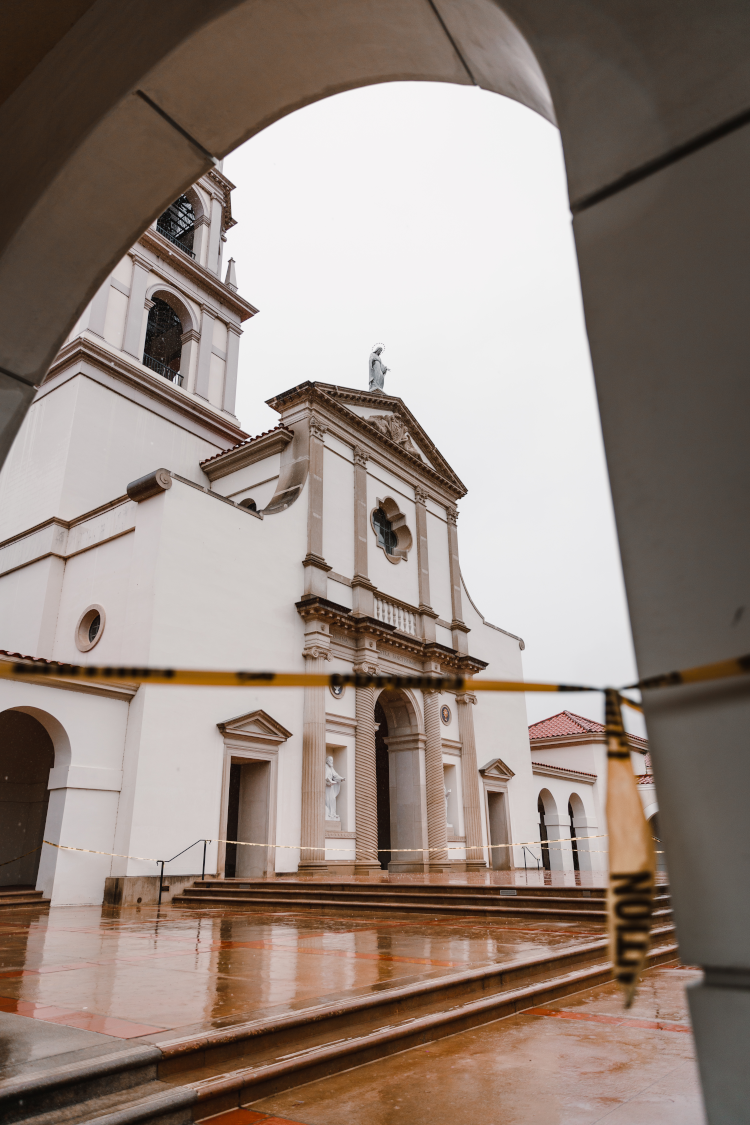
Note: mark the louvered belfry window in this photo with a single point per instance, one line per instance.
(178, 224)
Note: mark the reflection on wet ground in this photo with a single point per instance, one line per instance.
(150, 973)
(579, 1061)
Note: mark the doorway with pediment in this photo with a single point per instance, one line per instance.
(249, 788)
(495, 777)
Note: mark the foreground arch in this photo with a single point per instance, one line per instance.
(653, 104)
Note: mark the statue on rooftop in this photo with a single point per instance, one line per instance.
(377, 368)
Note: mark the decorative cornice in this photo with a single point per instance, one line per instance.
(325, 396)
(542, 769)
(247, 453)
(116, 365)
(202, 277)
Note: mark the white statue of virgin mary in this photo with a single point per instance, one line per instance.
(377, 368)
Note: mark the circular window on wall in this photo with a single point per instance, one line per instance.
(337, 690)
(445, 714)
(90, 627)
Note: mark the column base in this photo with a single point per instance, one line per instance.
(314, 867)
(366, 866)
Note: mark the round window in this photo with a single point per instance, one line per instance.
(445, 714)
(90, 627)
(337, 690)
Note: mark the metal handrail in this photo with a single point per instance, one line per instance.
(534, 857)
(187, 849)
(162, 369)
(166, 233)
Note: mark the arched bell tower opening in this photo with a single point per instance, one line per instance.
(27, 755)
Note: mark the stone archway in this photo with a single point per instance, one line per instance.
(407, 794)
(27, 754)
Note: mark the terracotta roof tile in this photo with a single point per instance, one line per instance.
(247, 441)
(564, 723)
(564, 769)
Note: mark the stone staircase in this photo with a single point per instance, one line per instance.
(21, 896)
(544, 903)
(178, 1081)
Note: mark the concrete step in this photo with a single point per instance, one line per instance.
(484, 901)
(176, 1081)
(21, 896)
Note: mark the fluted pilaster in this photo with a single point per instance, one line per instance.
(437, 837)
(312, 834)
(365, 792)
(472, 806)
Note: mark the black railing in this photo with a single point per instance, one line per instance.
(533, 856)
(173, 239)
(162, 369)
(161, 862)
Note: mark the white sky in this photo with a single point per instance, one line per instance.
(435, 218)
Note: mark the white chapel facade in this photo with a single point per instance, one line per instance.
(141, 525)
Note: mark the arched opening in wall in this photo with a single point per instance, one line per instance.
(27, 755)
(382, 783)
(177, 224)
(545, 807)
(162, 351)
(575, 812)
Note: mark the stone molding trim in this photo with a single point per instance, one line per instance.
(87, 357)
(153, 484)
(361, 456)
(420, 496)
(318, 429)
(543, 769)
(247, 453)
(397, 520)
(202, 277)
(496, 769)
(123, 691)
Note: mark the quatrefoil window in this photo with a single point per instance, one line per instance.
(392, 534)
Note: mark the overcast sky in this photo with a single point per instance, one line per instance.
(435, 218)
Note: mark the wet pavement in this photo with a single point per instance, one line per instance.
(577, 1061)
(146, 974)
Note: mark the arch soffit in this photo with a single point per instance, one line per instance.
(54, 728)
(200, 205)
(577, 805)
(199, 71)
(549, 802)
(189, 318)
(402, 707)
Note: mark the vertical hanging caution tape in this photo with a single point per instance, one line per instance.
(632, 858)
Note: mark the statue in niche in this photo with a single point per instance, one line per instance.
(377, 368)
(448, 825)
(333, 787)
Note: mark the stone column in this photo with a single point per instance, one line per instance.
(312, 835)
(365, 785)
(316, 568)
(362, 588)
(203, 371)
(437, 833)
(460, 630)
(472, 805)
(426, 611)
(233, 354)
(558, 838)
(214, 236)
(132, 340)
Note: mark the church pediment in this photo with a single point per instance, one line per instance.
(256, 726)
(497, 769)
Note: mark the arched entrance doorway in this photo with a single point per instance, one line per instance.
(26, 757)
(400, 777)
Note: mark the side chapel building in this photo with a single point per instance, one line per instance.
(141, 525)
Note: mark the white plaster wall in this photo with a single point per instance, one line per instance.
(234, 485)
(114, 322)
(210, 587)
(399, 580)
(88, 733)
(123, 271)
(216, 381)
(338, 512)
(440, 574)
(100, 576)
(28, 607)
(501, 725)
(339, 593)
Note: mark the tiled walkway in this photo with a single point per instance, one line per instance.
(579, 1061)
(148, 974)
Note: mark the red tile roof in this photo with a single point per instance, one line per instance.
(566, 723)
(564, 769)
(247, 441)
